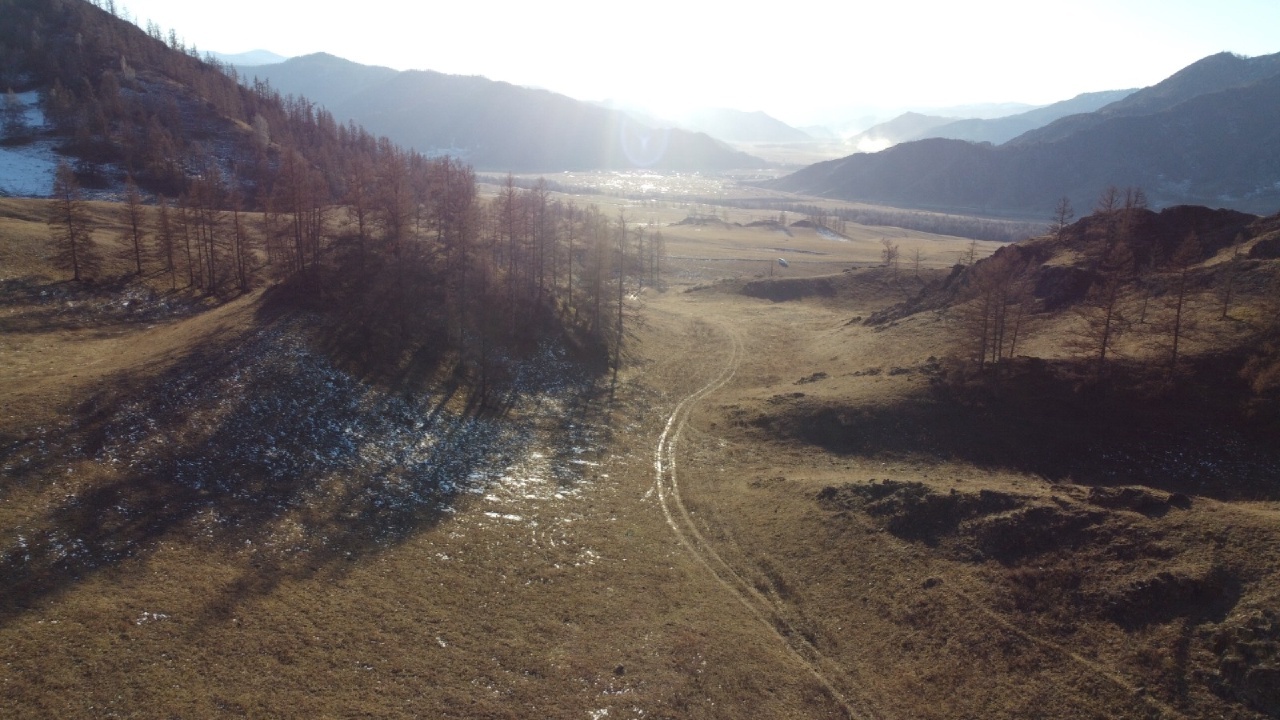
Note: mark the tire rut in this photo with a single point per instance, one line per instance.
(679, 519)
(771, 611)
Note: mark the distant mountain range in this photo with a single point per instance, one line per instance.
(742, 127)
(492, 125)
(1003, 129)
(917, 126)
(907, 126)
(984, 111)
(1206, 135)
(252, 57)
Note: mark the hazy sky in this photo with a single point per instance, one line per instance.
(794, 61)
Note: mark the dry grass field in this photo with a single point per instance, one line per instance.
(772, 514)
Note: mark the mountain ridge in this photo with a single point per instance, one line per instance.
(494, 125)
(1003, 129)
(1216, 72)
(733, 125)
(250, 57)
(1218, 147)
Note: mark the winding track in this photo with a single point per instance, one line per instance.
(758, 604)
(769, 611)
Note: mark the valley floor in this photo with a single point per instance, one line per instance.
(652, 550)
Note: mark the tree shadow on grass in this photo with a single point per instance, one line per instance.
(1039, 420)
(261, 442)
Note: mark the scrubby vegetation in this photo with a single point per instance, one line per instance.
(1126, 299)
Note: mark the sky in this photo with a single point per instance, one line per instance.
(802, 61)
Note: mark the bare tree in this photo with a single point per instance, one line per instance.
(597, 264)
(183, 218)
(242, 250)
(1108, 201)
(206, 195)
(359, 188)
(1177, 323)
(571, 228)
(998, 300)
(166, 242)
(1062, 215)
(1135, 199)
(543, 237)
(134, 218)
(1101, 313)
(622, 276)
(889, 252)
(71, 227)
(511, 211)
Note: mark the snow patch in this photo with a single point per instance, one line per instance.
(27, 170)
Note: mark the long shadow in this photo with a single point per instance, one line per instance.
(1190, 439)
(234, 439)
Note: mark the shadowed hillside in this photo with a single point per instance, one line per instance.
(1003, 129)
(493, 125)
(1169, 140)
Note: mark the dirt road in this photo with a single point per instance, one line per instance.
(765, 609)
(884, 628)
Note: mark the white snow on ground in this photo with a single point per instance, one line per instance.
(27, 170)
(825, 233)
(245, 456)
(31, 106)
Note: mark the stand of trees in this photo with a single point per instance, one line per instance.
(836, 220)
(416, 255)
(247, 184)
(999, 301)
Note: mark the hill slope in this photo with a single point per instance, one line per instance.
(121, 102)
(1208, 75)
(738, 126)
(1218, 147)
(492, 125)
(907, 126)
(1003, 129)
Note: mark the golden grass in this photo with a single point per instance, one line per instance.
(517, 602)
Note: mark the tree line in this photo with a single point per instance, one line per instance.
(231, 186)
(409, 254)
(973, 227)
(836, 219)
